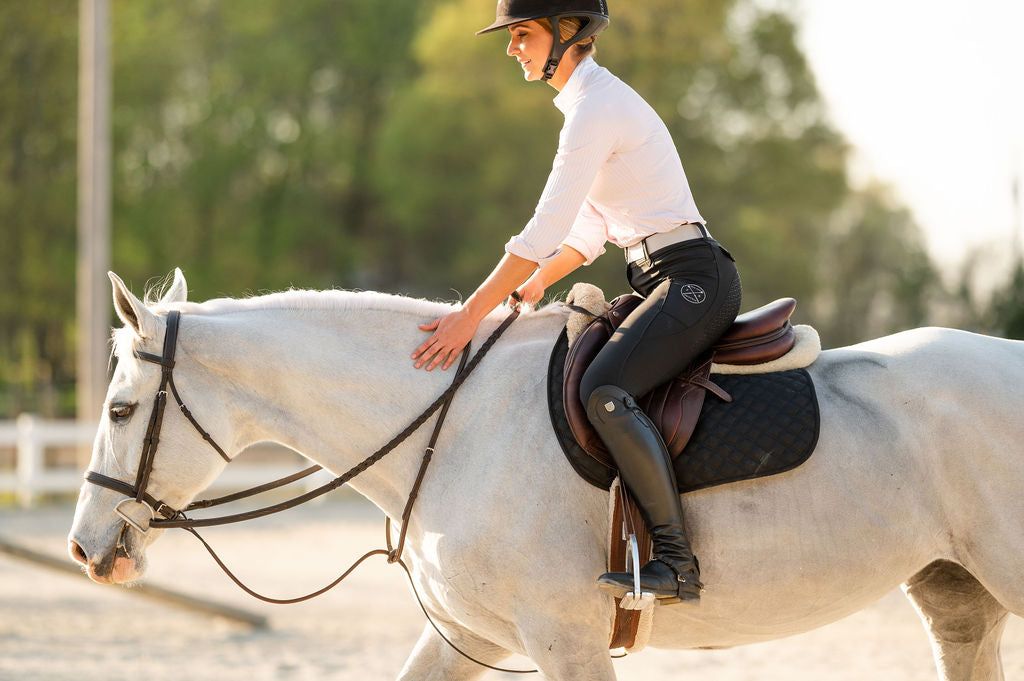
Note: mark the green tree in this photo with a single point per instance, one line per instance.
(1008, 306)
(874, 276)
(382, 145)
(245, 161)
(38, 67)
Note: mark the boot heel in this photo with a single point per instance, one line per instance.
(690, 600)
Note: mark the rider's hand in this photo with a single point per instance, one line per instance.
(533, 290)
(451, 334)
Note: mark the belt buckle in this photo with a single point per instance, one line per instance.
(631, 252)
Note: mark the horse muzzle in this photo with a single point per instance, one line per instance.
(117, 566)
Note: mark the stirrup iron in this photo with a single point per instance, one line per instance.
(630, 600)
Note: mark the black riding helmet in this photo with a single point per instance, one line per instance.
(594, 14)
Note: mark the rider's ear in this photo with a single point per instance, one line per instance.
(131, 311)
(178, 291)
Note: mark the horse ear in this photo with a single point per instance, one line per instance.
(178, 291)
(131, 311)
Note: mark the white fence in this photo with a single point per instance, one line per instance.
(31, 436)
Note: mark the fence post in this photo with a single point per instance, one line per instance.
(29, 458)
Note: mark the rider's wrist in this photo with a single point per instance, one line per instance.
(474, 310)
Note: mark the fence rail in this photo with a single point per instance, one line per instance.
(31, 436)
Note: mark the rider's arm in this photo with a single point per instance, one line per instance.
(502, 281)
(585, 143)
(563, 264)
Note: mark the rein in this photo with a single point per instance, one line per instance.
(171, 517)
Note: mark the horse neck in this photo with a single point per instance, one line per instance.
(336, 386)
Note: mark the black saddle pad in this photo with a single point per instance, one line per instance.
(771, 426)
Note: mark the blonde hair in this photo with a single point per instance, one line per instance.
(567, 28)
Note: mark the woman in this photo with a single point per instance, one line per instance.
(616, 177)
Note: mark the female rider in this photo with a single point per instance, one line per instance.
(616, 177)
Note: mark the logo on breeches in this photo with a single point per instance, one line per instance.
(693, 293)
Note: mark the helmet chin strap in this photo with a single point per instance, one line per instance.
(559, 48)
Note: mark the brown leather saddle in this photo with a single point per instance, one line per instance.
(755, 337)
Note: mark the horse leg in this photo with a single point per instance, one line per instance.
(434, 660)
(964, 621)
(569, 649)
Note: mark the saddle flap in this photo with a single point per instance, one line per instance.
(673, 407)
(581, 354)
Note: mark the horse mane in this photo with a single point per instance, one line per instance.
(332, 300)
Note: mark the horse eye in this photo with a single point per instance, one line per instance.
(121, 412)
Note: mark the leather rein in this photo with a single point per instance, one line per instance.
(162, 515)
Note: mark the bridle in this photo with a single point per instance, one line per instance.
(137, 493)
(162, 515)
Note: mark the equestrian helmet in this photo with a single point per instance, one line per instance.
(594, 14)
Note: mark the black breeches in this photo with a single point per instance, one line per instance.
(692, 295)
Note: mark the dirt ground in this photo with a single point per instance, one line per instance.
(56, 626)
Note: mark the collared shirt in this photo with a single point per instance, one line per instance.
(616, 177)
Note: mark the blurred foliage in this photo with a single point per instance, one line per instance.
(382, 145)
(1004, 314)
(1008, 306)
(38, 166)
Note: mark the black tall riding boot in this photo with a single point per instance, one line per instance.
(646, 469)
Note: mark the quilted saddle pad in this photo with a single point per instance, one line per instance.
(771, 426)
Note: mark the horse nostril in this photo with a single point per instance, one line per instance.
(77, 553)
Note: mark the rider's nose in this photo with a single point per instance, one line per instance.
(77, 553)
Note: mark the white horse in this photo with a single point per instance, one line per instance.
(917, 479)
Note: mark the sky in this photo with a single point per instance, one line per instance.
(931, 95)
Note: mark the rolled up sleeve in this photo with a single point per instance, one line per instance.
(584, 146)
(521, 246)
(588, 234)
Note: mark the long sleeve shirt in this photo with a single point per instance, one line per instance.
(616, 176)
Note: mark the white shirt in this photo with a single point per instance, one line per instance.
(616, 177)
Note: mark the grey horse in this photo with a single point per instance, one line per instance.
(916, 480)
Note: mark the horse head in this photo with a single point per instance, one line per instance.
(136, 481)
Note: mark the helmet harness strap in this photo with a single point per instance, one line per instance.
(559, 48)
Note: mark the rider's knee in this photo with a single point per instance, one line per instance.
(606, 402)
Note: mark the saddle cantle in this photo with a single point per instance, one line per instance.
(755, 337)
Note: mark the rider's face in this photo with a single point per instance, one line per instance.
(530, 45)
